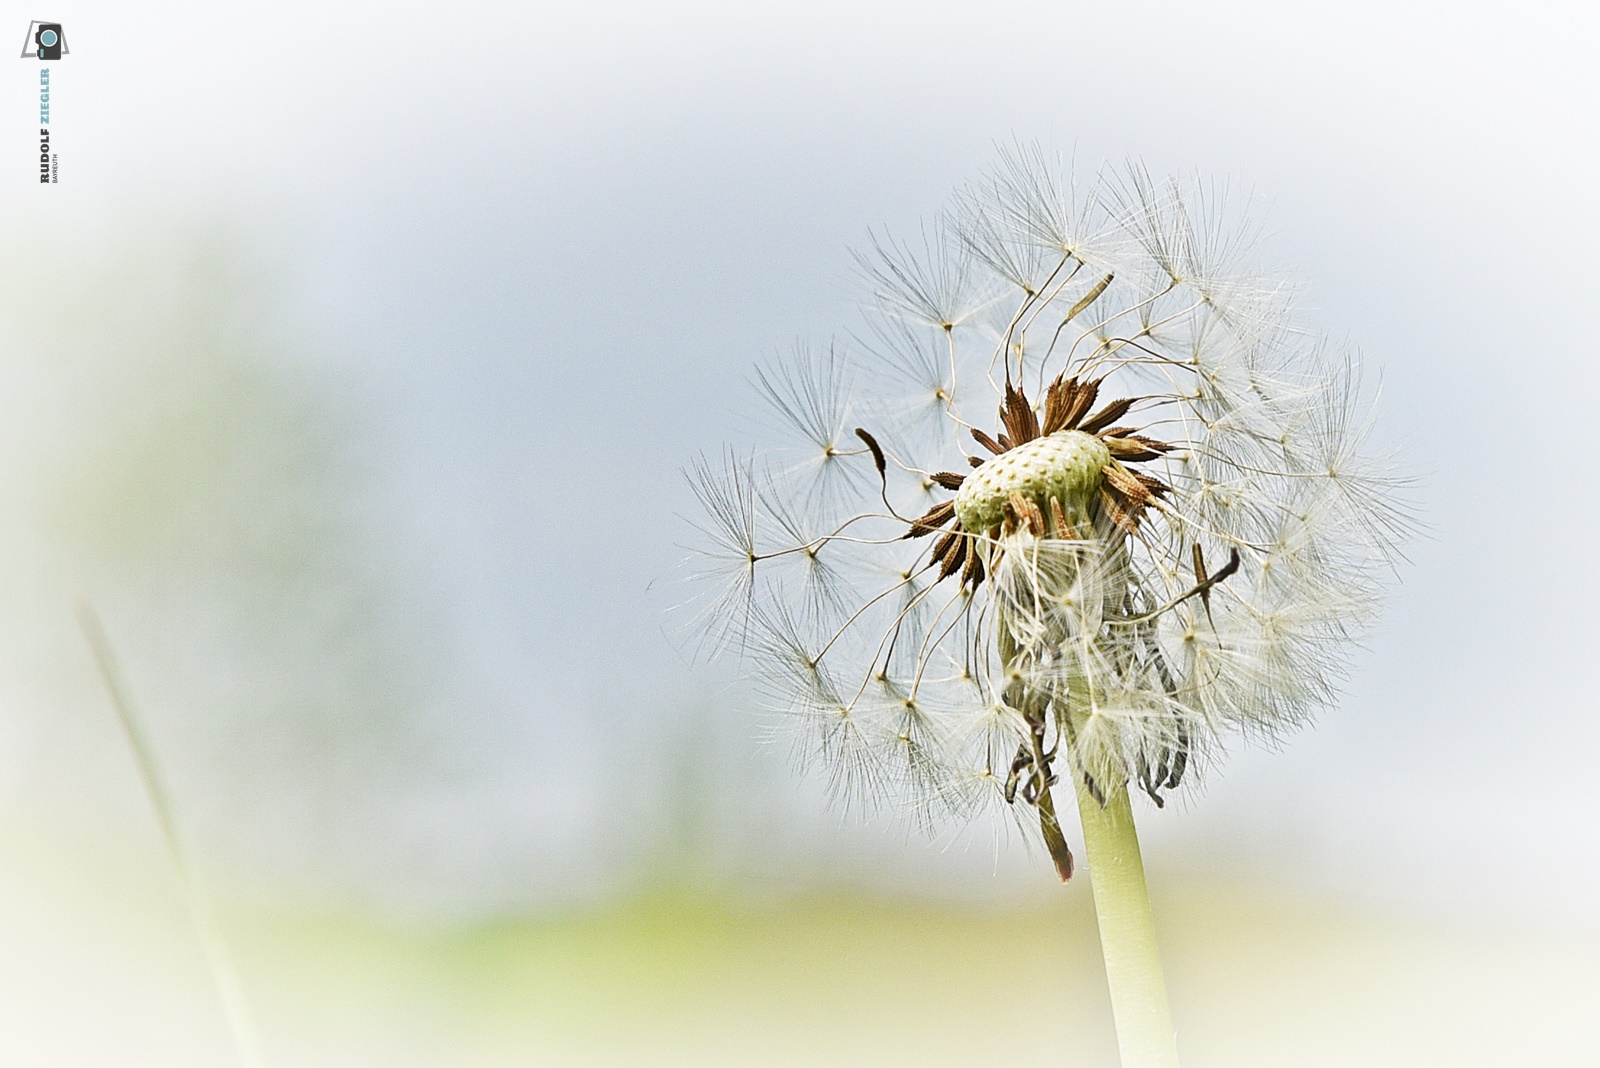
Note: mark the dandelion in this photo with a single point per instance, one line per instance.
(1166, 535)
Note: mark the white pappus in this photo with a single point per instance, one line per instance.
(1169, 533)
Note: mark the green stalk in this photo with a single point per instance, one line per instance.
(1127, 932)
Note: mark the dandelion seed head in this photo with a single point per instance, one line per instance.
(1081, 499)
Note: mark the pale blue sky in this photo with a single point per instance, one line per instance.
(528, 255)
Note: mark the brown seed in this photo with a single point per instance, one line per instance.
(972, 574)
(1107, 415)
(1089, 297)
(1156, 487)
(987, 442)
(1028, 514)
(1128, 451)
(1017, 416)
(1132, 434)
(1180, 760)
(1125, 482)
(1083, 395)
(1095, 792)
(1200, 580)
(1117, 508)
(877, 453)
(1056, 399)
(936, 517)
(954, 559)
(1058, 520)
(948, 479)
(1228, 568)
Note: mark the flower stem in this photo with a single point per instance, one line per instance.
(1127, 933)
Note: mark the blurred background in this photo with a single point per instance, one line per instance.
(349, 373)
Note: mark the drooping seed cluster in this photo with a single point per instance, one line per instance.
(1170, 535)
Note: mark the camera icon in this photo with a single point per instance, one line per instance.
(47, 40)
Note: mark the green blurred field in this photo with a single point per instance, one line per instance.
(101, 968)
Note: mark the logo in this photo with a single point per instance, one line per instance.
(45, 41)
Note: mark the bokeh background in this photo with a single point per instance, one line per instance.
(349, 373)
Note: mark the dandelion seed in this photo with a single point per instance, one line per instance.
(1166, 534)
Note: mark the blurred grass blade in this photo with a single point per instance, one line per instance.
(226, 980)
